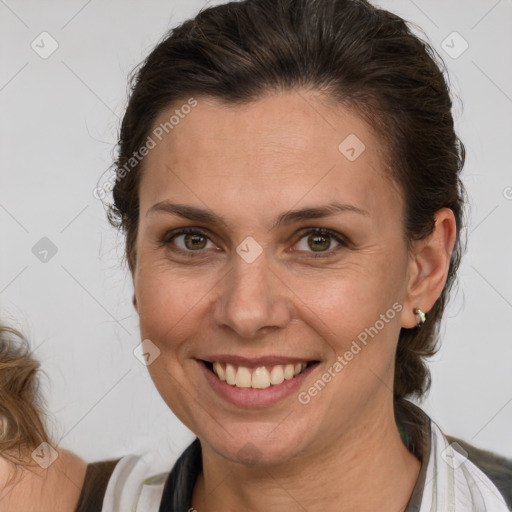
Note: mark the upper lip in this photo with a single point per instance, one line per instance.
(254, 362)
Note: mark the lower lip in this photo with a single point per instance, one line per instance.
(249, 397)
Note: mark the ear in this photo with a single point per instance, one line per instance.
(429, 263)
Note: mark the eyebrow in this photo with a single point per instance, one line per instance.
(196, 214)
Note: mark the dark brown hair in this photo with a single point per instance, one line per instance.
(365, 58)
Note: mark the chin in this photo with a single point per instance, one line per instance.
(258, 448)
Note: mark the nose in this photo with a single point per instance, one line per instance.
(253, 299)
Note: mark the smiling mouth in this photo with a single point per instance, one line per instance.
(261, 377)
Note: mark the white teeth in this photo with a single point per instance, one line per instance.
(260, 378)
(289, 371)
(277, 375)
(219, 370)
(243, 377)
(230, 375)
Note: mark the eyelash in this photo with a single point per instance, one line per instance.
(168, 237)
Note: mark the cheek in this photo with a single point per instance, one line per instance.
(173, 305)
(346, 299)
(168, 309)
(357, 315)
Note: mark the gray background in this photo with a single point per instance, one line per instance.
(58, 120)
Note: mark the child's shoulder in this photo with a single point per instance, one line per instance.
(29, 485)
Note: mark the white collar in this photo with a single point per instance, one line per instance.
(453, 483)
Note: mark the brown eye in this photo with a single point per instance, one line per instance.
(187, 241)
(319, 240)
(194, 241)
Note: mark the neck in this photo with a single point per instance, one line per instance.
(366, 468)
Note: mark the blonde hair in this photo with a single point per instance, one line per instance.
(22, 411)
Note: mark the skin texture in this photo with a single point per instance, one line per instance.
(248, 164)
(54, 489)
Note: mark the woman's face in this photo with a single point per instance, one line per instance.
(253, 286)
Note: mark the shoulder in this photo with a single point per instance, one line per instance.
(32, 487)
(137, 482)
(128, 483)
(497, 468)
(97, 478)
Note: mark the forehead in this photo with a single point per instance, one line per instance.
(283, 148)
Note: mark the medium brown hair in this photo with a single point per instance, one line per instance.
(365, 58)
(22, 410)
